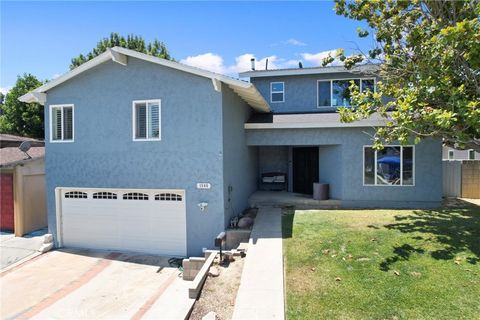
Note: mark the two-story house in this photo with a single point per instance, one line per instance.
(149, 155)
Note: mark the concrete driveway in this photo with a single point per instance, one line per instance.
(84, 284)
(14, 249)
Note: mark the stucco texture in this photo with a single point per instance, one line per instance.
(341, 165)
(104, 155)
(300, 91)
(240, 161)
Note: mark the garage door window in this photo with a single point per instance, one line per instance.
(168, 197)
(104, 195)
(76, 195)
(135, 196)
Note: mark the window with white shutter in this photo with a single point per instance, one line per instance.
(146, 120)
(61, 123)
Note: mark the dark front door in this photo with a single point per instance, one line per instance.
(305, 169)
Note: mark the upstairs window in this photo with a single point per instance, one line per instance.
(336, 93)
(277, 92)
(146, 120)
(61, 123)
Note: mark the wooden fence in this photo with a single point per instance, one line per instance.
(461, 179)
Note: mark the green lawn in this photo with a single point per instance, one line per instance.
(382, 264)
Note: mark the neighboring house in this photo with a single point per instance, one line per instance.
(455, 154)
(23, 200)
(9, 140)
(150, 155)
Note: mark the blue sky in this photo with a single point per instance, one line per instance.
(41, 37)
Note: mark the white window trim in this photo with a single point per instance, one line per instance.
(451, 155)
(401, 168)
(468, 154)
(341, 79)
(147, 122)
(282, 92)
(50, 109)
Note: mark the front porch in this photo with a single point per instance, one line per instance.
(284, 199)
(294, 169)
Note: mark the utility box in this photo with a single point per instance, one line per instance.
(320, 191)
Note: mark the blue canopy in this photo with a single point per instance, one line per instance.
(393, 160)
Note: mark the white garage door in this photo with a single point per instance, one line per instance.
(150, 221)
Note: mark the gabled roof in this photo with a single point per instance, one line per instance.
(245, 90)
(365, 68)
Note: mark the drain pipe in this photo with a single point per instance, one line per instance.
(219, 241)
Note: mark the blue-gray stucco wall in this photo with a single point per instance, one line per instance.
(104, 155)
(279, 159)
(344, 166)
(328, 159)
(240, 162)
(300, 91)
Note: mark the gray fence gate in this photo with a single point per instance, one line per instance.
(452, 178)
(461, 178)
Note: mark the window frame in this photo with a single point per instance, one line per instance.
(50, 117)
(451, 155)
(282, 92)
(341, 79)
(401, 167)
(134, 102)
(471, 152)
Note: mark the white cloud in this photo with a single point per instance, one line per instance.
(291, 63)
(295, 42)
(317, 58)
(4, 90)
(214, 62)
(289, 42)
(55, 76)
(260, 64)
(242, 63)
(208, 61)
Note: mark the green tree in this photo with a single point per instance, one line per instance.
(19, 118)
(429, 64)
(137, 43)
(2, 101)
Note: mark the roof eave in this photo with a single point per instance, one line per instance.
(119, 55)
(370, 68)
(20, 162)
(314, 125)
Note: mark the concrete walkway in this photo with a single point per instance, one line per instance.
(472, 201)
(260, 295)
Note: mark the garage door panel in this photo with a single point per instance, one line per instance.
(151, 226)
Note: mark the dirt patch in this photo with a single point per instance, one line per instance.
(219, 293)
